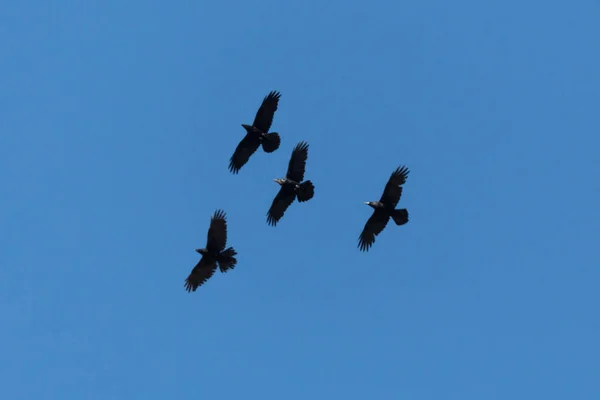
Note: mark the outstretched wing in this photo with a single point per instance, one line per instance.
(200, 274)
(217, 232)
(264, 115)
(297, 164)
(247, 146)
(282, 201)
(374, 226)
(393, 190)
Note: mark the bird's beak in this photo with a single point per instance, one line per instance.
(275, 180)
(366, 202)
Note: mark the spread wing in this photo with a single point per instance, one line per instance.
(374, 226)
(247, 146)
(217, 232)
(393, 190)
(264, 115)
(200, 274)
(297, 164)
(282, 201)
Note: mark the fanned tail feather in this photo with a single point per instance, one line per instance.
(400, 217)
(306, 191)
(227, 259)
(271, 142)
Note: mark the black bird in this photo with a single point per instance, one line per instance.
(257, 134)
(292, 186)
(384, 209)
(214, 253)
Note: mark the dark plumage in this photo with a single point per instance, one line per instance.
(384, 209)
(214, 253)
(292, 186)
(257, 134)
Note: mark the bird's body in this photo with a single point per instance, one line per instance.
(384, 209)
(213, 254)
(257, 134)
(293, 185)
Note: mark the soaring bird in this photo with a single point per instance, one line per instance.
(292, 186)
(257, 134)
(214, 253)
(384, 209)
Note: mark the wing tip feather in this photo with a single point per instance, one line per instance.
(401, 171)
(219, 214)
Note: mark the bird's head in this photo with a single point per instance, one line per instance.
(369, 203)
(279, 180)
(248, 128)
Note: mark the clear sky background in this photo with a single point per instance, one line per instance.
(117, 121)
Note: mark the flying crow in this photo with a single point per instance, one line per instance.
(257, 134)
(292, 186)
(384, 209)
(214, 253)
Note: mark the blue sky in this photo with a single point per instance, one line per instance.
(117, 122)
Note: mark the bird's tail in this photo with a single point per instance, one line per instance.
(227, 259)
(306, 191)
(271, 142)
(400, 216)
